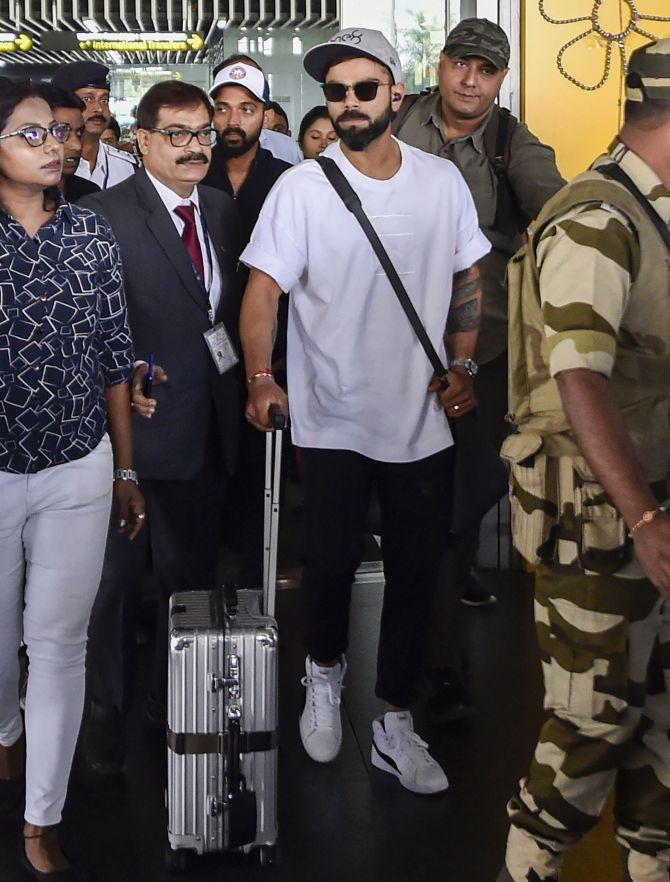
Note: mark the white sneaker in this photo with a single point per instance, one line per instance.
(320, 724)
(396, 748)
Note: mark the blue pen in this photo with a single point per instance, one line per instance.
(149, 379)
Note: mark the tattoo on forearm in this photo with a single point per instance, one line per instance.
(465, 317)
(466, 285)
(465, 309)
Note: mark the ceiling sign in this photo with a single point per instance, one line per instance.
(121, 42)
(15, 42)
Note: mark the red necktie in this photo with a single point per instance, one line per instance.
(190, 236)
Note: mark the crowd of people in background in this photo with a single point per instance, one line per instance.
(157, 298)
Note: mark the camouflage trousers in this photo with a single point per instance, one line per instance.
(605, 648)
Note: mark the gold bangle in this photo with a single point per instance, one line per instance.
(646, 518)
(264, 373)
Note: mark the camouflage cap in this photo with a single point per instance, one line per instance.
(649, 73)
(481, 37)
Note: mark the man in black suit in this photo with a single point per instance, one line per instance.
(183, 303)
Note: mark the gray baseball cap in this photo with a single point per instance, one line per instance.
(352, 42)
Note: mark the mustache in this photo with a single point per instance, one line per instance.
(232, 130)
(192, 157)
(352, 115)
(97, 117)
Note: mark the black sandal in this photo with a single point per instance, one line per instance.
(68, 875)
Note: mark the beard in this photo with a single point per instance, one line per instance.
(247, 142)
(358, 139)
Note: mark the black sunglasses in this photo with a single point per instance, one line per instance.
(366, 90)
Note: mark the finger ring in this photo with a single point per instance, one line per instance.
(141, 516)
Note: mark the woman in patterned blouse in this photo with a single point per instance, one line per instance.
(65, 425)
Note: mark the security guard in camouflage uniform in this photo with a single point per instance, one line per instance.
(589, 394)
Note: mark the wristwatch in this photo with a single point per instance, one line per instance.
(125, 475)
(469, 364)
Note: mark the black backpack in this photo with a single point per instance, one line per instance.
(509, 217)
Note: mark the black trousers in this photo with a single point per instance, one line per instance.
(183, 529)
(414, 499)
(444, 648)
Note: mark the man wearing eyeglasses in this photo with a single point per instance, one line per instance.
(100, 163)
(178, 259)
(363, 402)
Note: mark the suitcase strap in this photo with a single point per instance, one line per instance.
(183, 743)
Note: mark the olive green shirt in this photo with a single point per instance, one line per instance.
(533, 177)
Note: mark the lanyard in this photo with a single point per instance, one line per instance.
(210, 263)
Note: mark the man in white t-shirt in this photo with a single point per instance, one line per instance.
(364, 405)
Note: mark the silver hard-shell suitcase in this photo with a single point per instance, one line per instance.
(222, 708)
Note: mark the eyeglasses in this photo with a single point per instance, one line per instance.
(183, 137)
(366, 90)
(35, 136)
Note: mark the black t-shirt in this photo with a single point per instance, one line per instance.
(76, 188)
(249, 200)
(253, 192)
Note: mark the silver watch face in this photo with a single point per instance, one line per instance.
(469, 364)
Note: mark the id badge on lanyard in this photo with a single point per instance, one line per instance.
(217, 338)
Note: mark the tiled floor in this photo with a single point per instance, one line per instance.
(346, 822)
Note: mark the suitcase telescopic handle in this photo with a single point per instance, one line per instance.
(278, 418)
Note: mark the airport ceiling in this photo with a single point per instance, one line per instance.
(209, 18)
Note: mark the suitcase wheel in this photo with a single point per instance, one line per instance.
(175, 860)
(267, 854)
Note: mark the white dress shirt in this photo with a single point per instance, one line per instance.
(281, 146)
(172, 200)
(111, 167)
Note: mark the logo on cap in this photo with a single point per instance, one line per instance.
(352, 36)
(237, 73)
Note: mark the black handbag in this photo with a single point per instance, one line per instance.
(480, 477)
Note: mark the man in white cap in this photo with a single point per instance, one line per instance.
(240, 166)
(279, 145)
(365, 407)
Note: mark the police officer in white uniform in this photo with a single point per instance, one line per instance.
(100, 162)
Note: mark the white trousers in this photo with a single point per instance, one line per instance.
(53, 527)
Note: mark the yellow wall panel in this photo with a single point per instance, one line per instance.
(578, 124)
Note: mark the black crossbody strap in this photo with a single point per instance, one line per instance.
(615, 171)
(350, 198)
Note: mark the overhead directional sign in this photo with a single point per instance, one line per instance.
(180, 41)
(15, 42)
